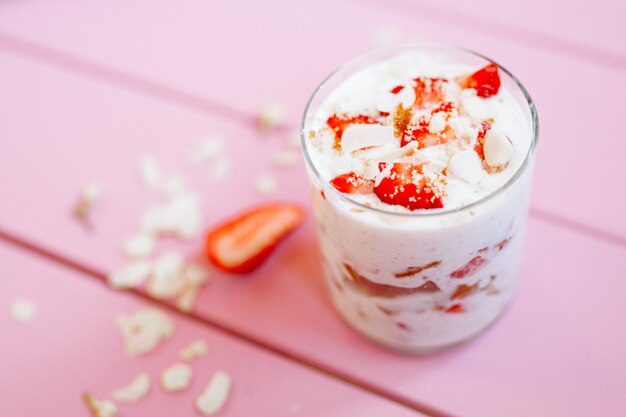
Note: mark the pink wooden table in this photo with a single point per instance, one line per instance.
(83, 101)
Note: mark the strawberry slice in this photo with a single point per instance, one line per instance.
(428, 92)
(480, 141)
(424, 137)
(469, 268)
(242, 243)
(351, 183)
(454, 309)
(486, 81)
(405, 185)
(340, 122)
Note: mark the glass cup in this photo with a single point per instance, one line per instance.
(425, 280)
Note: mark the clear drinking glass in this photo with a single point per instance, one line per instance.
(391, 276)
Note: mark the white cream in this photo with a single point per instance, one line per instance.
(384, 246)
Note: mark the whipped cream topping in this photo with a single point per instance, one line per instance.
(459, 139)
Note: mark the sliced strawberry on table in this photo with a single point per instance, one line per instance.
(469, 268)
(428, 92)
(242, 243)
(351, 183)
(486, 81)
(340, 122)
(405, 185)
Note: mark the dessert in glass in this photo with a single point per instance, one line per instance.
(420, 160)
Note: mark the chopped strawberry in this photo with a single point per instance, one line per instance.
(500, 245)
(351, 183)
(405, 185)
(469, 268)
(454, 308)
(428, 92)
(339, 123)
(480, 140)
(424, 137)
(242, 243)
(486, 81)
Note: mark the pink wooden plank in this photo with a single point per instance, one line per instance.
(207, 52)
(73, 345)
(529, 364)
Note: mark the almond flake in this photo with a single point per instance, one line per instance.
(167, 279)
(265, 185)
(285, 158)
(194, 350)
(99, 408)
(467, 166)
(187, 298)
(143, 330)
(139, 245)
(208, 149)
(212, 399)
(366, 135)
(23, 310)
(221, 169)
(498, 149)
(134, 391)
(180, 216)
(131, 275)
(176, 377)
(150, 172)
(387, 102)
(270, 116)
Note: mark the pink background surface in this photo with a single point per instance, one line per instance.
(84, 100)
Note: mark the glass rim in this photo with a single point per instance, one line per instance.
(422, 213)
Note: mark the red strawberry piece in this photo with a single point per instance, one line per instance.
(480, 140)
(454, 308)
(428, 92)
(500, 245)
(351, 183)
(405, 186)
(469, 268)
(486, 81)
(242, 243)
(339, 123)
(374, 289)
(424, 137)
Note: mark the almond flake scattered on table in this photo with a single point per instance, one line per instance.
(214, 396)
(285, 158)
(176, 377)
(134, 391)
(221, 169)
(208, 149)
(265, 185)
(23, 310)
(99, 408)
(270, 116)
(143, 330)
(150, 172)
(139, 245)
(195, 349)
(131, 275)
(167, 278)
(89, 196)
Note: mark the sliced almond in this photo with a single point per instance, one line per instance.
(221, 169)
(194, 350)
(143, 330)
(270, 116)
(365, 135)
(23, 310)
(265, 185)
(99, 408)
(498, 149)
(208, 149)
(134, 391)
(187, 299)
(139, 246)
(467, 166)
(212, 399)
(167, 279)
(131, 275)
(176, 377)
(150, 172)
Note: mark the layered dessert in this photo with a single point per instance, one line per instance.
(420, 165)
